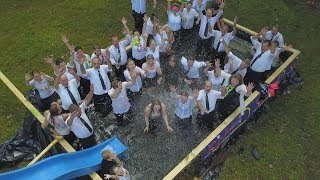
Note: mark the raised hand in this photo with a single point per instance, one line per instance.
(250, 86)
(27, 77)
(124, 20)
(235, 20)
(209, 64)
(107, 54)
(48, 60)
(217, 63)
(72, 49)
(222, 4)
(65, 39)
(145, 18)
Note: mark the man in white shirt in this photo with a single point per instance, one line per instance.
(199, 5)
(188, 16)
(80, 124)
(206, 103)
(98, 76)
(138, 11)
(118, 55)
(206, 28)
(275, 35)
(262, 59)
(192, 68)
(218, 48)
(120, 100)
(67, 90)
(100, 53)
(235, 65)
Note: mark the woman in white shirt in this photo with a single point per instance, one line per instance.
(136, 89)
(153, 113)
(234, 97)
(40, 81)
(152, 48)
(56, 119)
(217, 77)
(188, 16)
(162, 39)
(174, 19)
(153, 74)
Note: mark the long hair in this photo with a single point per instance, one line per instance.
(54, 111)
(238, 77)
(155, 102)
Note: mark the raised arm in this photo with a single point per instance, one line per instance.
(49, 60)
(165, 117)
(57, 80)
(73, 115)
(108, 60)
(226, 48)
(27, 79)
(66, 42)
(133, 76)
(262, 33)
(234, 30)
(249, 88)
(169, 6)
(147, 112)
(89, 96)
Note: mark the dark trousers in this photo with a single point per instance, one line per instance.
(254, 77)
(84, 87)
(46, 102)
(119, 72)
(207, 120)
(88, 142)
(206, 44)
(138, 20)
(139, 62)
(186, 35)
(102, 104)
(70, 138)
(119, 117)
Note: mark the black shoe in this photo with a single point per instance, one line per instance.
(255, 153)
(241, 150)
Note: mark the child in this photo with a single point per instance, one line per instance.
(109, 159)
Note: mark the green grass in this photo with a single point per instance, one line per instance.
(287, 136)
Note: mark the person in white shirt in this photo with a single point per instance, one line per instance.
(77, 53)
(235, 65)
(136, 89)
(153, 113)
(206, 103)
(192, 68)
(262, 59)
(80, 124)
(56, 119)
(60, 65)
(120, 100)
(100, 53)
(98, 76)
(162, 40)
(138, 11)
(184, 104)
(234, 97)
(40, 81)
(118, 55)
(174, 19)
(153, 74)
(217, 77)
(206, 28)
(152, 48)
(188, 16)
(218, 48)
(275, 35)
(67, 90)
(199, 5)
(137, 43)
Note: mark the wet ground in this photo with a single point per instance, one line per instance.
(152, 155)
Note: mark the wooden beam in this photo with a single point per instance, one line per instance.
(54, 142)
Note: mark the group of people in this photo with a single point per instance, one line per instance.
(112, 78)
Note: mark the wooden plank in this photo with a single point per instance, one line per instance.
(54, 142)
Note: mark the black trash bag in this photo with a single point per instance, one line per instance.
(293, 78)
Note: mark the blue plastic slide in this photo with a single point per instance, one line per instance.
(67, 165)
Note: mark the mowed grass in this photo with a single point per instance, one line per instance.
(287, 135)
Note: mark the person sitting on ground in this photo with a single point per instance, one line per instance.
(235, 65)
(80, 124)
(120, 100)
(56, 119)
(217, 77)
(109, 160)
(184, 104)
(191, 68)
(118, 173)
(206, 103)
(136, 89)
(67, 90)
(155, 111)
(153, 74)
(172, 73)
(40, 81)
(234, 97)
(275, 35)
(218, 48)
(100, 53)
(137, 43)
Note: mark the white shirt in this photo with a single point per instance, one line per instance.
(158, 40)
(174, 21)
(217, 82)
(138, 85)
(236, 65)
(59, 124)
(203, 24)
(93, 75)
(149, 26)
(101, 57)
(64, 95)
(277, 37)
(138, 51)
(188, 18)
(184, 110)
(217, 35)
(66, 73)
(139, 6)
(86, 63)
(77, 127)
(212, 96)
(264, 62)
(45, 90)
(199, 7)
(153, 71)
(115, 56)
(193, 72)
(120, 104)
(155, 53)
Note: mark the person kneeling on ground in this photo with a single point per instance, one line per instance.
(80, 124)
(153, 113)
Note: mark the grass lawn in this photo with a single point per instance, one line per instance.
(287, 136)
